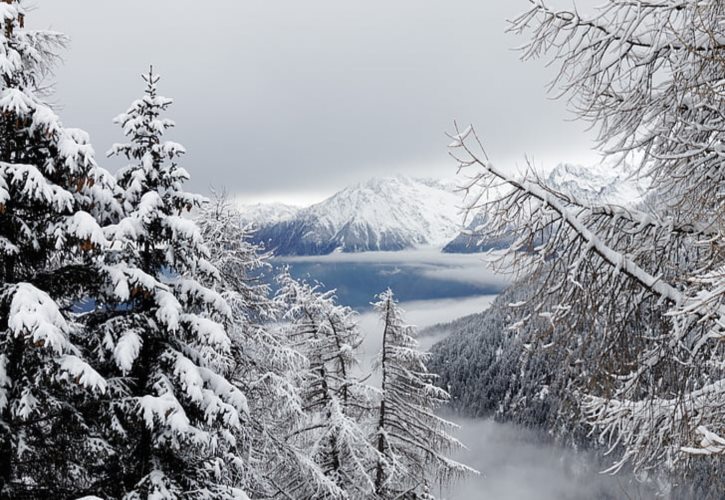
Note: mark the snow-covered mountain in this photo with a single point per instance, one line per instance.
(596, 183)
(262, 214)
(391, 213)
(587, 184)
(396, 213)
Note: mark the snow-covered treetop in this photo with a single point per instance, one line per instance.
(154, 167)
(154, 201)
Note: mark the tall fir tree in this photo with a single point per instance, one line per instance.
(336, 402)
(53, 200)
(266, 367)
(410, 438)
(172, 414)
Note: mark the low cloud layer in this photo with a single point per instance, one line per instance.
(514, 463)
(431, 262)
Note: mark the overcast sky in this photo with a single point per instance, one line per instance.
(291, 100)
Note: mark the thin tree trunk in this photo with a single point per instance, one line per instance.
(380, 472)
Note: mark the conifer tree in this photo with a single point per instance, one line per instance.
(265, 365)
(410, 438)
(53, 198)
(172, 413)
(337, 404)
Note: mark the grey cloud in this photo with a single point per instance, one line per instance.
(283, 96)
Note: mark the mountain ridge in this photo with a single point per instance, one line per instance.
(399, 212)
(380, 214)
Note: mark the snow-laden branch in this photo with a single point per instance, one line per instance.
(574, 221)
(603, 272)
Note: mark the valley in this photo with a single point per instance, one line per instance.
(515, 463)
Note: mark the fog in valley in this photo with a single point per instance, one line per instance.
(514, 463)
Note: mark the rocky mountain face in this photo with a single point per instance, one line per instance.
(382, 214)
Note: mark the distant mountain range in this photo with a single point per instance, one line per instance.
(397, 213)
(392, 213)
(591, 184)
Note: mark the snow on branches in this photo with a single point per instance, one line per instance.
(54, 200)
(336, 403)
(162, 327)
(634, 294)
(410, 438)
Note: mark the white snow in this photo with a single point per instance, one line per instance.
(258, 214)
(5, 382)
(127, 350)
(84, 227)
(35, 315)
(408, 208)
(82, 373)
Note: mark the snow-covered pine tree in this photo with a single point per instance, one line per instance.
(410, 438)
(52, 199)
(337, 404)
(172, 414)
(265, 367)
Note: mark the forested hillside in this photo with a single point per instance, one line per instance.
(490, 365)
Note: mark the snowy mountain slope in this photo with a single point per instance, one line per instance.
(261, 214)
(396, 213)
(391, 213)
(601, 183)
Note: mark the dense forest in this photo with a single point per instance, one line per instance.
(490, 365)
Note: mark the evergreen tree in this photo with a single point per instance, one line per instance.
(410, 438)
(172, 413)
(53, 198)
(265, 366)
(337, 404)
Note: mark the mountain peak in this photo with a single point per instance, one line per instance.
(600, 182)
(382, 213)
